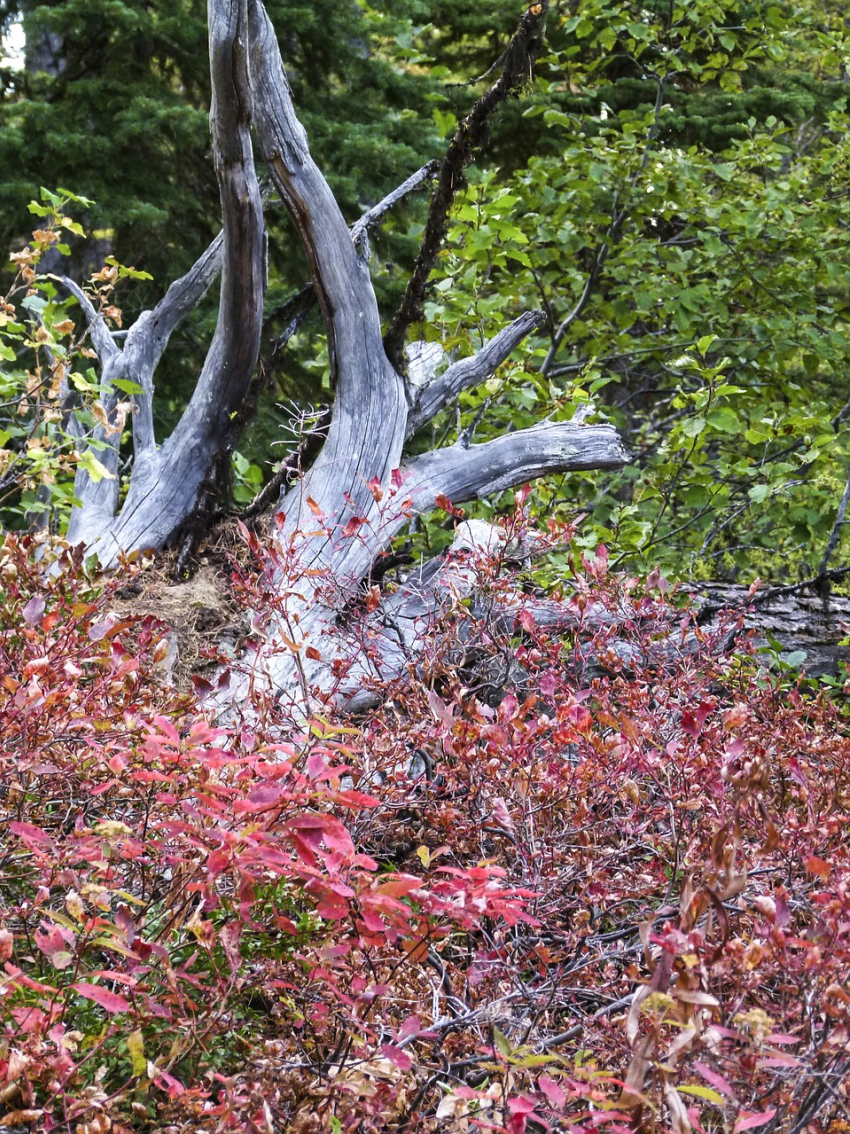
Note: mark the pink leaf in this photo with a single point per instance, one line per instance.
(34, 610)
(317, 767)
(29, 833)
(715, 1079)
(111, 1001)
(410, 1027)
(749, 1121)
(521, 1105)
(553, 1091)
(397, 1056)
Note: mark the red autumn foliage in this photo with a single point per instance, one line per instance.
(560, 881)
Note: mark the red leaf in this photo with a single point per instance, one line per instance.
(337, 836)
(28, 832)
(376, 490)
(553, 1091)
(399, 886)
(317, 768)
(312, 828)
(410, 1027)
(354, 799)
(521, 495)
(111, 1001)
(353, 526)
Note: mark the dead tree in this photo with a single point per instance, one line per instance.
(344, 511)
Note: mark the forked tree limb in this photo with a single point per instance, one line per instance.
(374, 215)
(342, 281)
(369, 412)
(165, 484)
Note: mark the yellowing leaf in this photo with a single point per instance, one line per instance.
(93, 467)
(136, 1048)
(703, 1093)
(424, 856)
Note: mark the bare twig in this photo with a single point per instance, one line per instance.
(377, 212)
(834, 535)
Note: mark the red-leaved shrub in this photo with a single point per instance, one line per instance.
(564, 879)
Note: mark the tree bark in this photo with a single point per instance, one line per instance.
(809, 622)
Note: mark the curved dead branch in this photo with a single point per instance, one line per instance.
(463, 473)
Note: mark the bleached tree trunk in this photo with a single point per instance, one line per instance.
(362, 489)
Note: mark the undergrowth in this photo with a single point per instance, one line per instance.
(587, 879)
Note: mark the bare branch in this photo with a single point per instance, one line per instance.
(148, 337)
(299, 305)
(100, 497)
(233, 353)
(517, 67)
(835, 534)
(470, 371)
(377, 212)
(483, 470)
(166, 483)
(101, 339)
(183, 296)
(577, 311)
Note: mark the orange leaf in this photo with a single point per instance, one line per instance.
(817, 866)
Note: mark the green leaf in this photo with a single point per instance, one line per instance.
(705, 342)
(127, 386)
(501, 1042)
(724, 419)
(72, 226)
